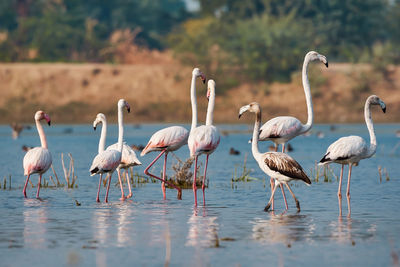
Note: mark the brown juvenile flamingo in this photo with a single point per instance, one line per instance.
(282, 129)
(170, 139)
(203, 139)
(280, 166)
(38, 159)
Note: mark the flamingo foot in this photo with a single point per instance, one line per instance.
(129, 195)
(267, 207)
(122, 198)
(98, 200)
(298, 205)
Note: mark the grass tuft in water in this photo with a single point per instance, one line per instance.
(183, 175)
(69, 175)
(245, 175)
(325, 173)
(383, 172)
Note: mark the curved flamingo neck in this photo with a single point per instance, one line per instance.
(41, 133)
(102, 142)
(210, 108)
(370, 126)
(254, 143)
(307, 92)
(194, 102)
(120, 128)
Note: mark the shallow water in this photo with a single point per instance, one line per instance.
(232, 228)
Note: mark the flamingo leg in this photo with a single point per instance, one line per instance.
(339, 193)
(120, 185)
(348, 182)
(108, 187)
(294, 197)
(194, 181)
(271, 198)
(283, 147)
(272, 182)
(38, 186)
(284, 197)
(129, 184)
(26, 184)
(98, 190)
(164, 174)
(146, 171)
(348, 191)
(203, 187)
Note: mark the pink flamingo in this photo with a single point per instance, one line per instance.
(170, 139)
(108, 160)
(38, 159)
(275, 164)
(203, 139)
(282, 129)
(128, 159)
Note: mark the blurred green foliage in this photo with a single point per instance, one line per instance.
(252, 40)
(75, 30)
(265, 40)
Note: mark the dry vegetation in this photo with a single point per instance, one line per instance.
(158, 90)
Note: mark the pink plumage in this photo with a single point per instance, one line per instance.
(170, 138)
(37, 160)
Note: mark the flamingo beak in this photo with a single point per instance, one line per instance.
(203, 78)
(47, 118)
(383, 106)
(208, 94)
(94, 128)
(243, 110)
(128, 107)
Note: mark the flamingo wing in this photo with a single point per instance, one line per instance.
(171, 137)
(37, 160)
(203, 139)
(280, 127)
(129, 157)
(285, 165)
(106, 161)
(345, 148)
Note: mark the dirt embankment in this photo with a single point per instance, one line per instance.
(75, 93)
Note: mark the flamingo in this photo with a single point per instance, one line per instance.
(38, 159)
(108, 160)
(203, 139)
(275, 164)
(351, 149)
(284, 128)
(128, 159)
(170, 139)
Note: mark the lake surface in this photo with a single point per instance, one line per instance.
(232, 229)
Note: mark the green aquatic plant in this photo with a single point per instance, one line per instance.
(324, 172)
(245, 174)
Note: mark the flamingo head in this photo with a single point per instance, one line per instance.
(122, 103)
(210, 88)
(252, 107)
(100, 118)
(312, 55)
(40, 115)
(375, 100)
(198, 73)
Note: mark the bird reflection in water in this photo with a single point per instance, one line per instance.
(35, 223)
(101, 224)
(203, 229)
(282, 228)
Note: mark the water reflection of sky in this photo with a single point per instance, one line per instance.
(231, 230)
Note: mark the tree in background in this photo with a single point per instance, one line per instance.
(74, 30)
